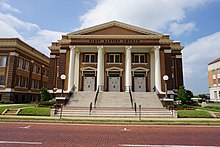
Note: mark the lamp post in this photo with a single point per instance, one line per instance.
(63, 77)
(165, 78)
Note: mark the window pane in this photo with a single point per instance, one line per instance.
(142, 59)
(18, 81)
(20, 63)
(214, 81)
(218, 80)
(136, 59)
(86, 58)
(111, 58)
(117, 58)
(2, 80)
(34, 69)
(213, 72)
(92, 58)
(32, 84)
(3, 60)
(27, 65)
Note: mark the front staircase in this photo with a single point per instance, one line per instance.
(115, 105)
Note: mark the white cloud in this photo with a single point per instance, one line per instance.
(177, 29)
(12, 27)
(151, 14)
(42, 39)
(196, 57)
(7, 7)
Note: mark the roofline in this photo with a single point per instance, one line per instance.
(112, 23)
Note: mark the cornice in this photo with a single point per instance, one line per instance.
(176, 47)
(165, 41)
(114, 36)
(27, 49)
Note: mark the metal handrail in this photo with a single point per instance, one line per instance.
(96, 97)
(156, 90)
(90, 108)
(70, 94)
(131, 98)
(135, 108)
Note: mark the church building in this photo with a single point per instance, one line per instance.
(115, 57)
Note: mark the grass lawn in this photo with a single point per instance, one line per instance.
(39, 111)
(2, 108)
(194, 114)
(211, 108)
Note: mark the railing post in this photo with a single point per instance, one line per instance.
(139, 112)
(61, 111)
(135, 108)
(90, 108)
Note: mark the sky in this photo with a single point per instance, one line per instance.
(196, 23)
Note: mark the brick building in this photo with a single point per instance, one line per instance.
(115, 56)
(23, 71)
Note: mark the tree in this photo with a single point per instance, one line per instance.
(203, 96)
(184, 95)
(45, 95)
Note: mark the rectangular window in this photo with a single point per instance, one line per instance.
(45, 72)
(114, 58)
(214, 81)
(39, 70)
(218, 80)
(32, 84)
(25, 82)
(36, 84)
(215, 94)
(27, 64)
(18, 81)
(218, 71)
(2, 79)
(34, 69)
(20, 63)
(139, 58)
(90, 58)
(3, 60)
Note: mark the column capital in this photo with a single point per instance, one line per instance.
(157, 47)
(72, 47)
(128, 47)
(100, 47)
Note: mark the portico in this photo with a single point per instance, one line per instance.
(117, 57)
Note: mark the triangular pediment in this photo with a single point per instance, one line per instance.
(114, 28)
(88, 69)
(114, 69)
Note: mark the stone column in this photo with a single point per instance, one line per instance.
(152, 70)
(71, 67)
(128, 80)
(157, 68)
(100, 67)
(76, 70)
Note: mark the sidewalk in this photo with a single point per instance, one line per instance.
(112, 121)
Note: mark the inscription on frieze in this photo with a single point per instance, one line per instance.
(114, 41)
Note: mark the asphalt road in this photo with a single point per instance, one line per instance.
(28, 134)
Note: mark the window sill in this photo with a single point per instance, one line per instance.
(89, 62)
(114, 63)
(139, 63)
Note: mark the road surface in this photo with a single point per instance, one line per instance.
(28, 134)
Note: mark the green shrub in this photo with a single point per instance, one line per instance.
(46, 103)
(6, 102)
(45, 95)
(193, 114)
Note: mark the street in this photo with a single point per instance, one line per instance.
(30, 134)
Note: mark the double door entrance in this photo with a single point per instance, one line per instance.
(139, 82)
(114, 82)
(89, 82)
